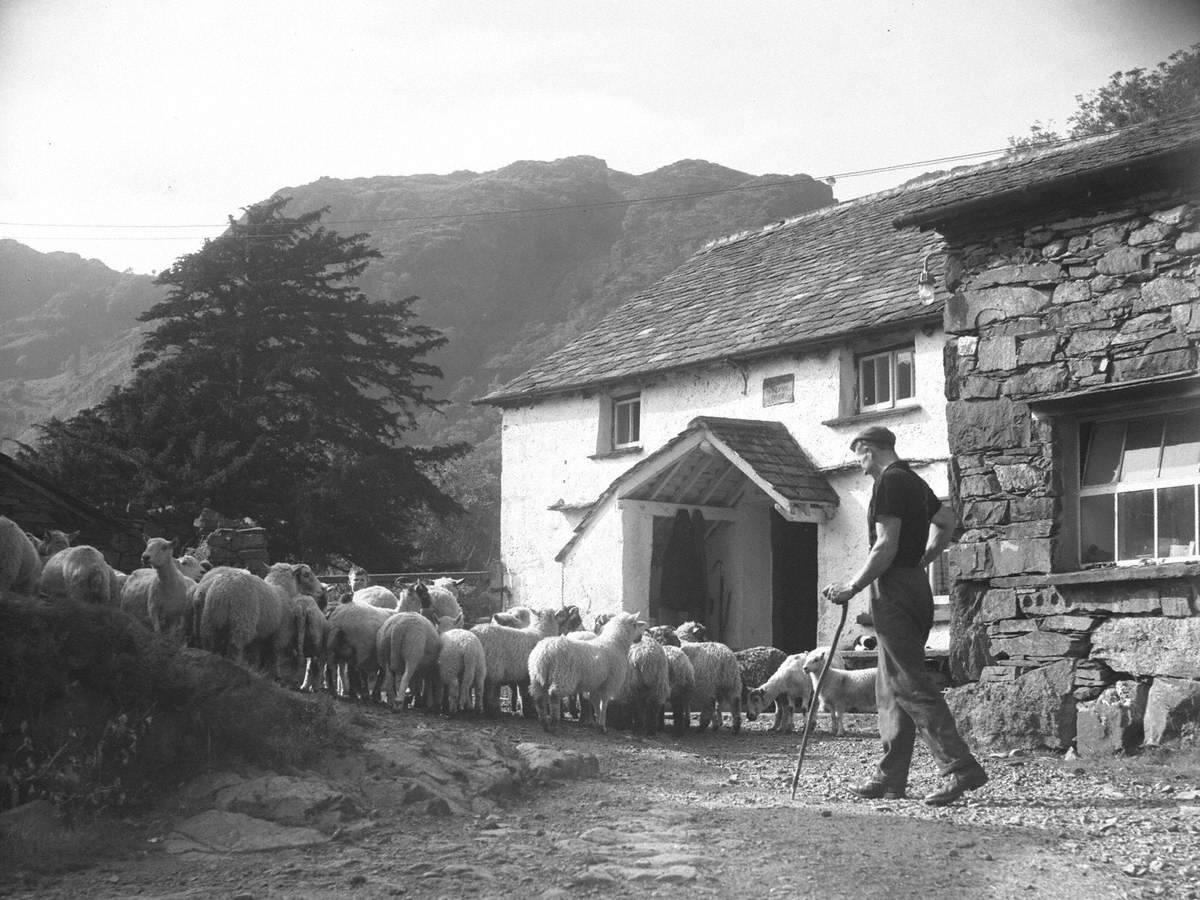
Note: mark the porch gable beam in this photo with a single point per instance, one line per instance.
(659, 508)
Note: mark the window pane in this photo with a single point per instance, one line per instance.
(904, 375)
(866, 381)
(1143, 441)
(1181, 453)
(635, 421)
(1177, 521)
(883, 380)
(1135, 524)
(1096, 529)
(621, 423)
(1104, 453)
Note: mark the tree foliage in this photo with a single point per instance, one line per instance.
(1128, 98)
(273, 388)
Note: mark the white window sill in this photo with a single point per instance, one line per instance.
(875, 414)
(620, 451)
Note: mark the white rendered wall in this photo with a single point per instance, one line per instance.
(547, 451)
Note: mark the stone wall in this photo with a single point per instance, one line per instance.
(1062, 304)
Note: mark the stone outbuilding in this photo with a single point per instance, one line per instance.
(1073, 319)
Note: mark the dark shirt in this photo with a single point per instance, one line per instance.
(902, 494)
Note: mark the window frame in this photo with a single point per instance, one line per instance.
(891, 355)
(632, 401)
(1116, 488)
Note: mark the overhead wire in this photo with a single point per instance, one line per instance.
(383, 223)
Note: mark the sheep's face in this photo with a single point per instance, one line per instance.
(692, 631)
(756, 703)
(815, 660)
(190, 566)
(664, 635)
(158, 552)
(307, 581)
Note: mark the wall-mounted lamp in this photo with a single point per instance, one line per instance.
(925, 283)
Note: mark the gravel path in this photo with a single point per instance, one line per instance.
(709, 816)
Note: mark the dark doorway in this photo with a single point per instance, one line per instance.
(793, 584)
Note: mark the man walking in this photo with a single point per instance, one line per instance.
(899, 521)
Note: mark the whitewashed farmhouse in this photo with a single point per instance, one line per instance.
(689, 457)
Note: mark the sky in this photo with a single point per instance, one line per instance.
(131, 129)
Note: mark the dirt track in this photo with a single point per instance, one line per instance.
(710, 816)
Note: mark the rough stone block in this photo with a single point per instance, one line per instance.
(1176, 606)
(1068, 623)
(1121, 261)
(1042, 602)
(1040, 349)
(1089, 341)
(978, 513)
(1163, 292)
(1035, 710)
(1149, 646)
(1021, 557)
(1150, 365)
(978, 486)
(1039, 644)
(1172, 705)
(965, 312)
(1072, 292)
(997, 353)
(1028, 509)
(1039, 272)
(1040, 380)
(1020, 479)
(987, 425)
(1150, 234)
(1112, 723)
(1173, 216)
(968, 561)
(1020, 531)
(1110, 234)
(998, 604)
(1187, 244)
(978, 388)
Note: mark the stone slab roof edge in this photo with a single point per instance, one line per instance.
(1134, 145)
(60, 497)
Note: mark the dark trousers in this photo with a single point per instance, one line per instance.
(909, 702)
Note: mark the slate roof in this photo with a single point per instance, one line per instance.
(837, 270)
(766, 449)
(770, 449)
(1015, 178)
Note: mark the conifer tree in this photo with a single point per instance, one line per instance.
(273, 388)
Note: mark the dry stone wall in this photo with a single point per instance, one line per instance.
(1106, 658)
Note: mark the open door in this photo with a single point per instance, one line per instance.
(793, 584)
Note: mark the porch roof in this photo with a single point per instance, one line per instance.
(709, 465)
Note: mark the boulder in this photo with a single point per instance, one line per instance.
(1035, 710)
(1112, 723)
(1149, 646)
(1172, 705)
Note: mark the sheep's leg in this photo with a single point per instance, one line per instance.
(735, 715)
(601, 705)
(402, 690)
(528, 708)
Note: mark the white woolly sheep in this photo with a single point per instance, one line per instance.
(407, 643)
(240, 611)
(295, 583)
(157, 595)
(350, 641)
(462, 668)
(788, 684)
(78, 573)
(681, 681)
(560, 667)
(842, 690)
(52, 542)
(20, 564)
(516, 617)
(506, 654)
(191, 567)
(717, 677)
(376, 595)
(663, 634)
(756, 665)
(647, 689)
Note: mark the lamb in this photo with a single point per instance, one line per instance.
(664, 634)
(516, 617)
(407, 643)
(157, 594)
(787, 684)
(20, 564)
(191, 567)
(559, 667)
(506, 655)
(240, 611)
(462, 668)
(647, 689)
(350, 640)
(78, 573)
(756, 665)
(717, 677)
(300, 590)
(843, 689)
(52, 542)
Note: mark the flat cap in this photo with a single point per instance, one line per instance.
(876, 434)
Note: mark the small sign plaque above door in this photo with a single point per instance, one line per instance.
(779, 389)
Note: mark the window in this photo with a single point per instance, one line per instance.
(626, 421)
(885, 379)
(1138, 482)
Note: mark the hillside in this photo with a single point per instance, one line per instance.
(509, 264)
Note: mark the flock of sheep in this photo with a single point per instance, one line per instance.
(411, 644)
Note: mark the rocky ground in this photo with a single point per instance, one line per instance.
(440, 808)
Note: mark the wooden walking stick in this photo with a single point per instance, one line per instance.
(812, 706)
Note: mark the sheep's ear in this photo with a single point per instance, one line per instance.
(71, 536)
